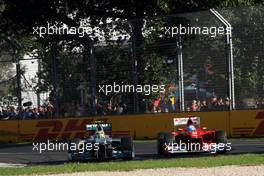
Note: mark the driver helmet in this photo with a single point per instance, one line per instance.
(100, 131)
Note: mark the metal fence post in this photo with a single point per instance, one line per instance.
(55, 78)
(230, 59)
(134, 72)
(18, 79)
(93, 76)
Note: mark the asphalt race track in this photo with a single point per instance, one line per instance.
(24, 154)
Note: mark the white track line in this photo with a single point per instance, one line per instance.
(11, 165)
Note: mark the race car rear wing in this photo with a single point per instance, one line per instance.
(107, 127)
(184, 120)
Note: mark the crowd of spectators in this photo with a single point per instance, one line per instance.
(159, 105)
(171, 104)
(12, 112)
(214, 103)
(78, 110)
(104, 109)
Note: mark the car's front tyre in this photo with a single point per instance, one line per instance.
(221, 138)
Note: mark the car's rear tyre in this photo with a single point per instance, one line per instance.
(163, 139)
(128, 147)
(71, 158)
(221, 138)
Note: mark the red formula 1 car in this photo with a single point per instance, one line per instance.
(195, 140)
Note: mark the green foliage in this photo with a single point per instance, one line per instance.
(248, 39)
(19, 18)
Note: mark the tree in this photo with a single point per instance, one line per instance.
(132, 18)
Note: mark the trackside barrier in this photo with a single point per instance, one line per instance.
(247, 123)
(237, 123)
(9, 131)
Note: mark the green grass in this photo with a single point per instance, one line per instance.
(205, 161)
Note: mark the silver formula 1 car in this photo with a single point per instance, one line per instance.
(101, 144)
